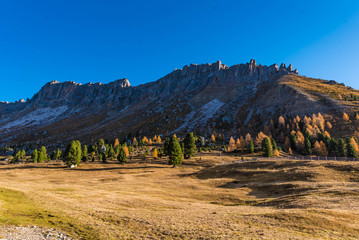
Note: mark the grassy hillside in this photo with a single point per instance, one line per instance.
(322, 88)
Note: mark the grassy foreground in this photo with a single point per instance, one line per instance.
(263, 199)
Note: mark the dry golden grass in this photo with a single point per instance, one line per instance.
(200, 200)
(319, 88)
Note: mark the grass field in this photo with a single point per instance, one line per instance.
(200, 200)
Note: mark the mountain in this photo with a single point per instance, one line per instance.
(200, 98)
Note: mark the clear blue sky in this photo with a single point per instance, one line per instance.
(104, 40)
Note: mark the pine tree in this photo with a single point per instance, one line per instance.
(34, 156)
(130, 149)
(166, 147)
(117, 150)
(23, 154)
(189, 145)
(111, 152)
(307, 147)
(58, 154)
(274, 144)
(122, 156)
(342, 148)
(267, 147)
(251, 146)
(293, 141)
(175, 152)
(73, 153)
(42, 155)
(101, 142)
(332, 147)
(84, 153)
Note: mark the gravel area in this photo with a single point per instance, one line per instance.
(31, 233)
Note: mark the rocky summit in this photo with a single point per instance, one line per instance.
(202, 98)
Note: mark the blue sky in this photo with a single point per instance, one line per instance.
(101, 41)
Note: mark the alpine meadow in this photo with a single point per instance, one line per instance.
(242, 150)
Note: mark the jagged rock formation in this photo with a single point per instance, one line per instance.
(197, 97)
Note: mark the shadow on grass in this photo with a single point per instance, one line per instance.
(114, 168)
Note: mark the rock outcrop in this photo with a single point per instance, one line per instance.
(177, 101)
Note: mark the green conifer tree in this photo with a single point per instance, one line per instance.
(274, 144)
(175, 152)
(34, 156)
(189, 145)
(266, 147)
(251, 147)
(84, 153)
(342, 148)
(42, 155)
(111, 152)
(122, 156)
(73, 153)
(333, 147)
(307, 147)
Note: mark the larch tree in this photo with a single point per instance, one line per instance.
(127, 152)
(354, 143)
(316, 148)
(232, 144)
(155, 153)
(145, 140)
(259, 139)
(248, 139)
(300, 141)
(134, 142)
(290, 151)
(351, 151)
(213, 138)
(117, 143)
(345, 117)
(238, 144)
(281, 121)
(328, 125)
(323, 149)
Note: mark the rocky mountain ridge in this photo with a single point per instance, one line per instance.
(195, 98)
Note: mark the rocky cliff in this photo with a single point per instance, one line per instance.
(195, 98)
